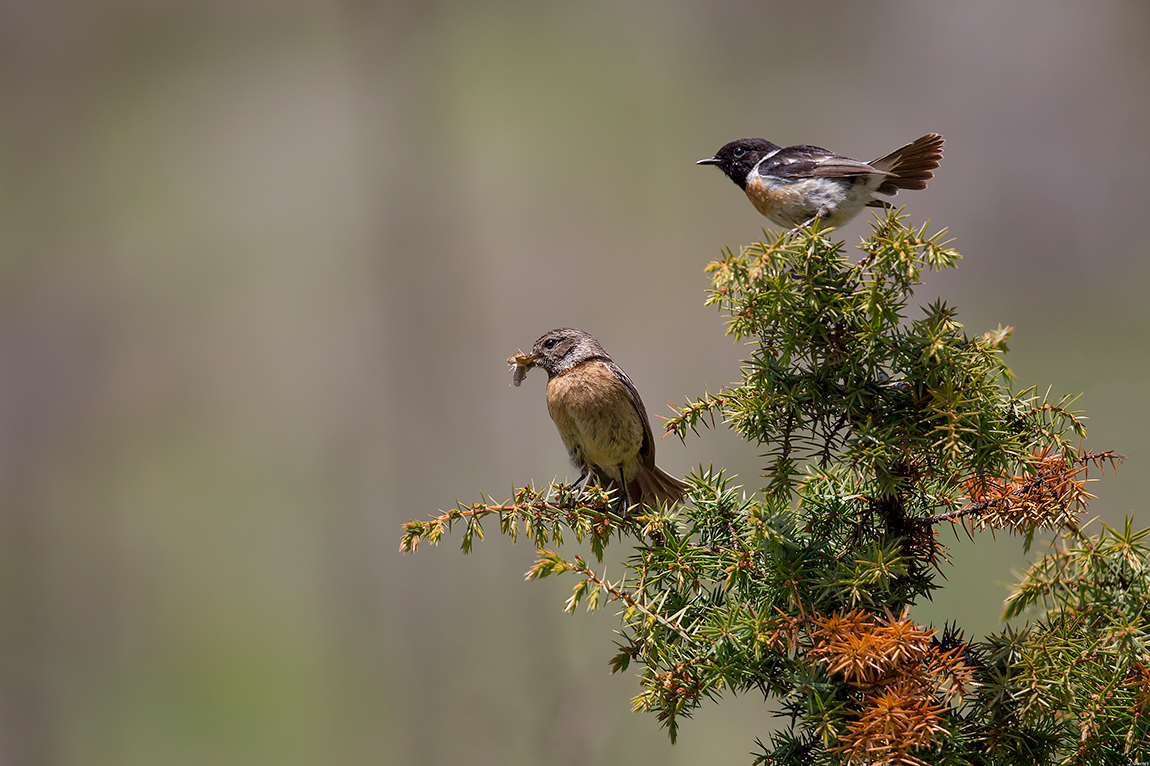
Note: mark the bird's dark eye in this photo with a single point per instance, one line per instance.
(549, 343)
(739, 151)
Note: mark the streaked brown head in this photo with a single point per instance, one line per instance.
(563, 348)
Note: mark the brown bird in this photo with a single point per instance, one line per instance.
(600, 417)
(794, 186)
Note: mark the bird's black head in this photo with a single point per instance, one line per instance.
(737, 158)
(564, 348)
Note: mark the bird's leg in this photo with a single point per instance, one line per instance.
(581, 483)
(819, 216)
(804, 225)
(622, 507)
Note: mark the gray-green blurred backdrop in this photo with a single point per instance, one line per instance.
(261, 264)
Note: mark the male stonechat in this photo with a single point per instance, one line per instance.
(799, 184)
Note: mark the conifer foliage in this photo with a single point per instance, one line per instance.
(878, 425)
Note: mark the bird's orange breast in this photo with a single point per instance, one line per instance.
(785, 203)
(593, 409)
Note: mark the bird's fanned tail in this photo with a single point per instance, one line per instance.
(910, 166)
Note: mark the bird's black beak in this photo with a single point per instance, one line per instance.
(709, 161)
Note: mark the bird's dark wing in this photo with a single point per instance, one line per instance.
(647, 450)
(804, 161)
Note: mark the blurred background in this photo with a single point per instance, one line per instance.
(262, 262)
